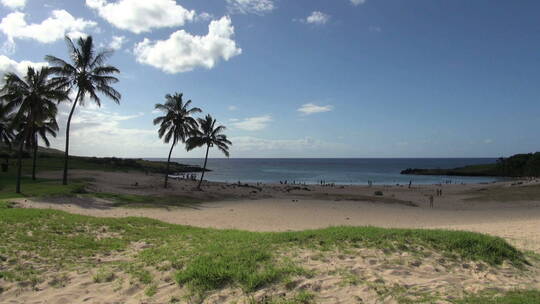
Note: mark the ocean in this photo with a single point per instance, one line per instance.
(351, 171)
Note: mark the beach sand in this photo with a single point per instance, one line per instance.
(296, 207)
(510, 210)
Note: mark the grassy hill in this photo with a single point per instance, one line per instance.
(519, 165)
(53, 159)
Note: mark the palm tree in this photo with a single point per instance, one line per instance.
(208, 135)
(176, 124)
(89, 74)
(6, 131)
(35, 97)
(41, 129)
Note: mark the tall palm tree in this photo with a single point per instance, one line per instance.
(6, 131)
(89, 74)
(208, 135)
(176, 124)
(34, 97)
(41, 129)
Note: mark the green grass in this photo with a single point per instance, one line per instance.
(55, 162)
(50, 188)
(206, 259)
(513, 297)
(37, 188)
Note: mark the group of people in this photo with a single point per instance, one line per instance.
(285, 182)
(431, 198)
(187, 176)
(325, 184)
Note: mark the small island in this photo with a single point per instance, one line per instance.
(519, 165)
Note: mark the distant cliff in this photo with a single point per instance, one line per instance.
(519, 165)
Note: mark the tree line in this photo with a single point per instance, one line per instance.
(29, 106)
(519, 165)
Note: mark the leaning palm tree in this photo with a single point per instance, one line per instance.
(34, 97)
(89, 74)
(41, 129)
(176, 123)
(208, 135)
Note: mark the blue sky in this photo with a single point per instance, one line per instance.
(306, 78)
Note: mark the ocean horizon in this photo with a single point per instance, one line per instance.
(342, 171)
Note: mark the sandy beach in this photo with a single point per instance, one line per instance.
(270, 207)
(510, 210)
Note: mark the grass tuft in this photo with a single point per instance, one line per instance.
(104, 275)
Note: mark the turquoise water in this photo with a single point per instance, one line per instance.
(339, 171)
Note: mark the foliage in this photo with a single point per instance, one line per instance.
(89, 74)
(177, 122)
(208, 135)
(34, 99)
(519, 165)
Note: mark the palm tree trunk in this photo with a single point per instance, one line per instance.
(204, 166)
(19, 167)
(168, 162)
(66, 152)
(34, 159)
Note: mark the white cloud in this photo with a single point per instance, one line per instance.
(14, 4)
(318, 18)
(310, 108)
(100, 132)
(140, 16)
(204, 16)
(258, 7)
(358, 2)
(488, 141)
(117, 42)
(54, 28)
(8, 65)
(252, 123)
(183, 52)
(232, 108)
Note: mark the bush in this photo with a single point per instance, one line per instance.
(378, 193)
